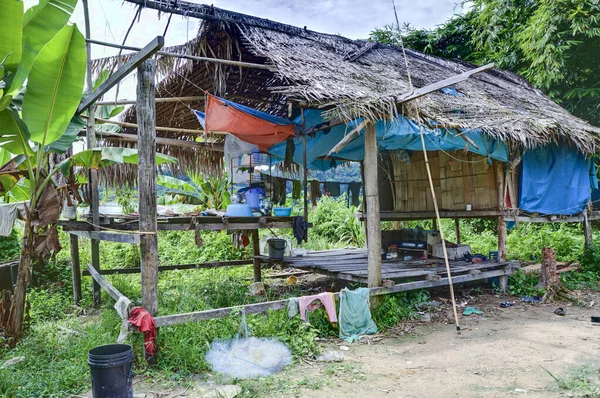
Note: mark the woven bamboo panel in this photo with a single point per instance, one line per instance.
(459, 179)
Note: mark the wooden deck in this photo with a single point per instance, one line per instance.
(351, 265)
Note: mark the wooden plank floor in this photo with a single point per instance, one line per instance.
(351, 265)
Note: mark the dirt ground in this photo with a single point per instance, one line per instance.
(503, 352)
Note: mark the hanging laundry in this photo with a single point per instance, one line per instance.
(332, 188)
(300, 229)
(326, 298)
(8, 215)
(292, 307)
(296, 189)
(355, 314)
(141, 318)
(315, 191)
(354, 193)
(288, 159)
(279, 190)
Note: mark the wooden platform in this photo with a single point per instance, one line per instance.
(351, 265)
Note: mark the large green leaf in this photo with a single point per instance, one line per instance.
(175, 183)
(21, 190)
(70, 135)
(55, 85)
(11, 34)
(40, 24)
(14, 136)
(96, 158)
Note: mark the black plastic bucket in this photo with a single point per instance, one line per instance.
(276, 248)
(112, 375)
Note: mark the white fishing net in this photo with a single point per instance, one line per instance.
(248, 357)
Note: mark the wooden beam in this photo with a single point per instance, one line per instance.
(75, 268)
(161, 100)
(214, 264)
(430, 88)
(349, 137)
(457, 230)
(109, 236)
(427, 215)
(192, 57)
(123, 71)
(216, 147)
(373, 216)
(108, 288)
(146, 118)
(587, 231)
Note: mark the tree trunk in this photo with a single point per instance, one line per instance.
(550, 279)
(17, 311)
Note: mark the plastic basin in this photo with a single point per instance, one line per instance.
(282, 211)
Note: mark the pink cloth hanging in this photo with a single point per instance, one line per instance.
(326, 298)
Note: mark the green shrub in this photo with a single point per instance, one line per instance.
(10, 246)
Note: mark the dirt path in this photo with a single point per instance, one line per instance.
(503, 354)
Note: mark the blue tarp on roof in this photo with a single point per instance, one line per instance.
(401, 133)
(555, 180)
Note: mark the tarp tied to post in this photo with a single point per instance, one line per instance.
(249, 125)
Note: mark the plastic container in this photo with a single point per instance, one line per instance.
(282, 211)
(253, 197)
(112, 374)
(238, 210)
(276, 248)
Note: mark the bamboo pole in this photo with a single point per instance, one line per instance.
(158, 128)
(190, 57)
(166, 99)
(216, 147)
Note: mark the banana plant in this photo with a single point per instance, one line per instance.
(42, 72)
(209, 192)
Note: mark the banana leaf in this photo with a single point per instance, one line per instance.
(14, 135)
(11, 36)
(54, 86)
(40, 24)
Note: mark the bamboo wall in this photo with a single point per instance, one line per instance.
(459, 179)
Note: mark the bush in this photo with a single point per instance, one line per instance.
(10, 246)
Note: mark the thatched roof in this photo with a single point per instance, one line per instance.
(349, 79)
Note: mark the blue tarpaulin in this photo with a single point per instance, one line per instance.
(401, 133)
(555, 180)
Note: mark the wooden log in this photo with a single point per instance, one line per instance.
(166, 129)
(128, 67)
(157, 100)
(216, 147)
(75, 268)
(372, 195)
(146, 118)
(256, 252)
(109, 236)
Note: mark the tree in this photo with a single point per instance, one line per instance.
(42, 71)
(552, 43)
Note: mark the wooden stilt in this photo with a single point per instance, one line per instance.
(372, 201)
(75, 268)
(587, 230)
(146, 118)
(93, 174)
(256, 252)
(457, 230)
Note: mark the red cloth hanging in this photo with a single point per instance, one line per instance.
(245, 123)
(143, 320)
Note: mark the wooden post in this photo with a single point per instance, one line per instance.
(457, 230)
(502, 280)
(256, 251)
(146, 119)
(93, 174)
(373, 213)
(75, 268)
(587, 231)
